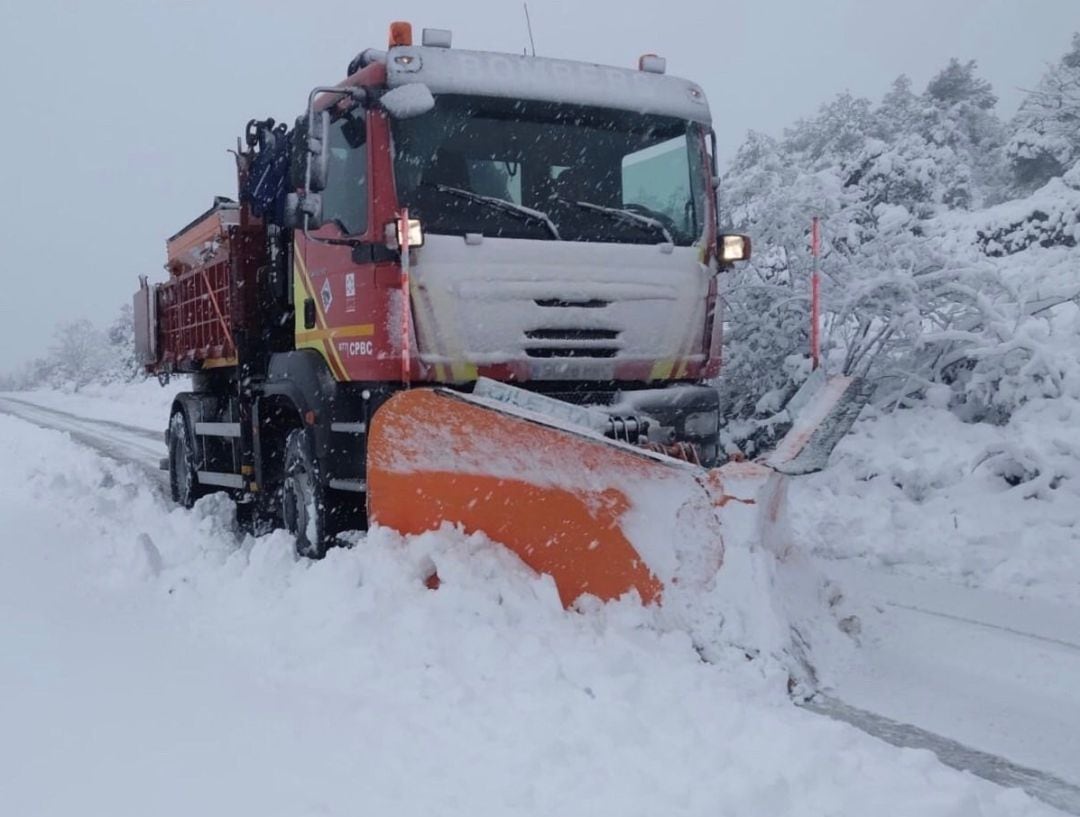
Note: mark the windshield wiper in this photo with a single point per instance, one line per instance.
(629, 216)
(519, 210)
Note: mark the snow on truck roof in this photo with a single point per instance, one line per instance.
(486, 73)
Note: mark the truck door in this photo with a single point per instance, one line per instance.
(335, 311)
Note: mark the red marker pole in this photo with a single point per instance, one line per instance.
(815, 295)
(406, 305)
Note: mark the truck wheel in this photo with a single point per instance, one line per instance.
(183, 481)
(303, 500)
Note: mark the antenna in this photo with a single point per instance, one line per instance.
(528, 24)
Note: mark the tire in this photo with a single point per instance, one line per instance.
(303, 498)
(183, 478)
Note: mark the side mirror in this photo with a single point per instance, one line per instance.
(301, 205)
(733, 248)
(318, 148)
(407, 101)
(312, 142)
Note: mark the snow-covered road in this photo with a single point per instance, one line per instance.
(996, 673)
(138, 445)
(987, 682)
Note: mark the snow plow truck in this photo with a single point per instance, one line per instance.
(476, 289)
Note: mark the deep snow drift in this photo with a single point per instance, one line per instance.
(978, 504)
(154, 662)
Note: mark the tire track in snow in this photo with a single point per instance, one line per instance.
(122, 443)
(1046, 787)
(988, 670)
(124, 428)
(988, 625)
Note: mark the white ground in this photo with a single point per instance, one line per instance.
(924, 494)
(137, 404)
(153, 662)
(917, 514)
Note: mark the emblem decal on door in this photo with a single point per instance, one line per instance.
(327, 295)
(350, 292)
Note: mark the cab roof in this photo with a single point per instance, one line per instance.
(486, 73)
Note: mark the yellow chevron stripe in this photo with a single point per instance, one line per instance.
(661, 370)
(463, 371)
(320, 344)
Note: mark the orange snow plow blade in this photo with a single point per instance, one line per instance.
(601, 517)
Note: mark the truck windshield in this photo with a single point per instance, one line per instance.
(569, 172)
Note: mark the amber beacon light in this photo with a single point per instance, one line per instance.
(400, 33)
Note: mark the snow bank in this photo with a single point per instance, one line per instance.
(990, 504)
(154, 662)
(981, 505)
(1049, 217)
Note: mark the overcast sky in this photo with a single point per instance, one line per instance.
(117, 115)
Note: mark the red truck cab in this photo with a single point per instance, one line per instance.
(560, 232)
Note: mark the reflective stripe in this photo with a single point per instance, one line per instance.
(218, 429)
(357, 486)
(221, 479)
(218, 362)
(360, 330)
(349, 428)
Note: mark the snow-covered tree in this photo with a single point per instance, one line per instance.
(912, 294)
(1045, 139)
(80, 353)
(900, 111)
(121, 338)
(960, 118)
(836, 133)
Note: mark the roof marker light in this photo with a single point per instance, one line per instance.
(652, 64)
(400, 33)
(436, 37)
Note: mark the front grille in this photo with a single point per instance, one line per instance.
(571, 342)
(572, 334)
(589, 303)
(571, 351)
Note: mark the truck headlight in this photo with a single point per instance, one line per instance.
(734, 248)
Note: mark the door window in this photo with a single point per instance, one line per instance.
(345, 199)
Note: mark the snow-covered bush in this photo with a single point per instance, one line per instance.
(914, 292)
(1048, 218)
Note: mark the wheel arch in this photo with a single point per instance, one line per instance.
(303, 379)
